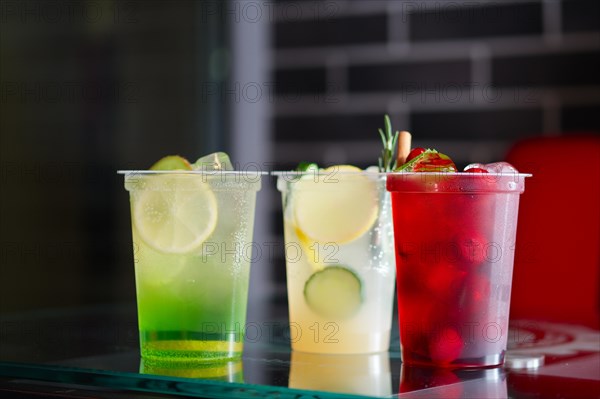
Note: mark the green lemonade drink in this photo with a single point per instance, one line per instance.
(340, 260)
(192, 238)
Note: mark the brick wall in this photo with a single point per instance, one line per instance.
(466, 77)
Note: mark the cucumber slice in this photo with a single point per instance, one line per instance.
(335, 291)
(306, 166)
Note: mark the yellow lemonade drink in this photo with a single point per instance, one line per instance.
(340, 260)
(192, 238)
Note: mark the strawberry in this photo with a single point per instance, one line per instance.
(415, 152)
(429, 161)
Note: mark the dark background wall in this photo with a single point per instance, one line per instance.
(90, 87)
(466, 77)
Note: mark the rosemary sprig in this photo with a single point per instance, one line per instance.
(387, 160)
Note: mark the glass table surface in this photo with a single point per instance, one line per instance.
(96, 348)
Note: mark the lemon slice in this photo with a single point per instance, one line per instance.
(338, 207)
(312, 250)
(175, 213)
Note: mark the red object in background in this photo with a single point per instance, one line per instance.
(557, 261)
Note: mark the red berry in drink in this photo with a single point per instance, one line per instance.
(444, 280)
(470, 246)
(476, 170)
(415, 152)
(445, 346)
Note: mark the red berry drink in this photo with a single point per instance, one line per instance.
(454, 236)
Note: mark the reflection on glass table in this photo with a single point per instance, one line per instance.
(96, 350)
(231, 371)
(367, 374)
(427, 382)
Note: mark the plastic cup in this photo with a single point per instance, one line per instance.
(192, 244)
(455, 238)
(339, 261)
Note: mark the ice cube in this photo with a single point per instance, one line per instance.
(500, 167)
(214, 161)
(475, 165)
